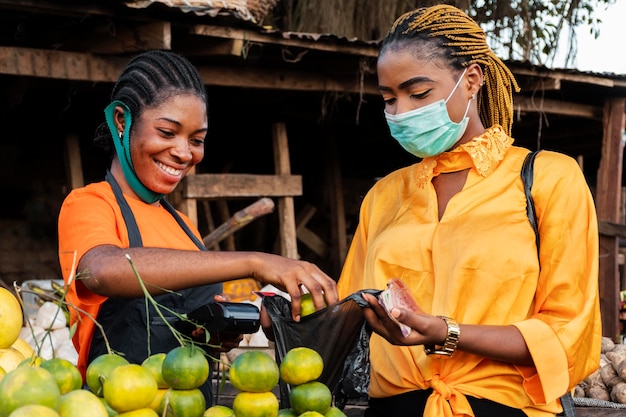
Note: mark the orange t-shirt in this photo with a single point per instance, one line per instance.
(90, 217)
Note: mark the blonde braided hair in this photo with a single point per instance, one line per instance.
(449, 33)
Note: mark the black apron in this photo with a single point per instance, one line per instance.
(125, 320)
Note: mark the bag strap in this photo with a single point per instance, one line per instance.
(567, 402)
(527, 178)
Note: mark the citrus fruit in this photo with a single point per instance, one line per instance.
(154, 364)
(25, 386)
(2, 373)
(65, 373)
(219, 411)
(183, 403)
(300, 365)
(287, 412)
(310, 396)
(31, 361)
(253, 371)
(11, 318)
(334, 412)
(311, 414)
(255, 404)
(155, 404)
(100, 368)
(185, 367)
(23, 347)
(307, 307)
(81, 402)
(34, 410)
(141, 412)
(10, 358)
(111, 412)
(129, 387)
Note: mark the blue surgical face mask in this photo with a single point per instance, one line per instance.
(428, 131)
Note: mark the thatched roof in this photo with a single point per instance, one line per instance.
(248, 10)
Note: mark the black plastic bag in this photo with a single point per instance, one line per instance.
(339, 333)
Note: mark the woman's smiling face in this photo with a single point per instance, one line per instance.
(168, 140)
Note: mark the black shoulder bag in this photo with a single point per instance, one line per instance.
(527, 178)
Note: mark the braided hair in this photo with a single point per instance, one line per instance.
(447, 33)
(147, 80)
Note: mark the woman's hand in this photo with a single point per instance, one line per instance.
(290, 275)
(426, 329)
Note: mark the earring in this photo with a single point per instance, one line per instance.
(120, 134)
(473, 96)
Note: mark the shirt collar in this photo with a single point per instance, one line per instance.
(484, 153)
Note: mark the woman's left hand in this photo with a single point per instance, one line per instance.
(425, 329)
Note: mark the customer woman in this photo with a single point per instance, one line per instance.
(505, 330)
(155, 129)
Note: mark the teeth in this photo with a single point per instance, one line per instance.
(170, 170)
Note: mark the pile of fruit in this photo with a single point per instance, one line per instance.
(255, 374)
(608, 382)
(165, 384)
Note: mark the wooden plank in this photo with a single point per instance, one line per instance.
(73, 161)
(59, 64)
(599, 412)
(126, 38)
(286, 210)
(534, 104)
(612, 229)
(285, 39)
(88, 67)
(608, 191)
(212, 186)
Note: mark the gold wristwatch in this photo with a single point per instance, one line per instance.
(451, 341)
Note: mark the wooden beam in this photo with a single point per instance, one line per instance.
(608, 192)
(537, 104)
(308, 41)
(59, 64)
(129, 38)
(212, 186)
(286, 210)
(612, 229)
(89, 67)
(73, 161)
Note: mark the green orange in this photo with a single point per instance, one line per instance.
(154, 363)
(185, 367)
(219, 411)
(100, 368)
(65, 373)
(81, 402)
(334, 412)
(28, 385)
(254, 371)
(141, 412)
(183, 403)
(34, 410)
(129, 387)
(300, 365)
(310, 396)
(255, 404)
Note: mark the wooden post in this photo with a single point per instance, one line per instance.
(286, 211)
(337, 209)
(608, 186)
(73, 161)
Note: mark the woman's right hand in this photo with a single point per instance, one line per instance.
(290, 275)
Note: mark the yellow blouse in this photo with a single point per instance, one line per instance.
(479, 265)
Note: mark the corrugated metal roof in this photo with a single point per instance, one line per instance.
(248, 10)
